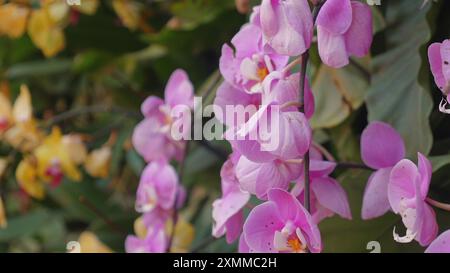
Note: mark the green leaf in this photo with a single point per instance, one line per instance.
(395, 95)
(39, 68)
(24, 225)
(337, 93)
(439, 162)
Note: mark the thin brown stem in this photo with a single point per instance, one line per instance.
(175, 208)
(303, 68)
(114, 227)
(90, 110)
(437, 204)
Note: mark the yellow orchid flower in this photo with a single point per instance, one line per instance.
(45, 32)
(129, 13)
(88, 7)
(3, 221)
(17, 125)
(90, 243)
(13, 19)
(98, 162)
(5, 113)
(183, 236)
(139, 228)
(26, 175)
(23, 109)
(24, 136)
(54, 161)
(76, 148)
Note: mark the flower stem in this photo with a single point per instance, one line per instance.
(303, 68)
(175, 205)
(114, 227)
(438, 204)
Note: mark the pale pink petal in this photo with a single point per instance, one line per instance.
(332, 48)
(150, 107)
(335, 16)
(402, 183)
(381, 145)
(260, 227)
(436, 64)
(425, 171)
(287, 204)
(179, 89)
(247, 41)
(332, 196)
(150, 143)
(441, 244)
(228, 65)
(247, 173)
(445, 54)
(375, 200)
(358, 38)
(292, 138)
(226, 208)
(429, 227)
(320, 168)
(227, 95)
(234, 227)
(243, 247)
(287, 25)
(273, 175)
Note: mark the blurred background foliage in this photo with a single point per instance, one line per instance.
(103, 62)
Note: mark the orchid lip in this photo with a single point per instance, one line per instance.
(408, 238)
(290, 240)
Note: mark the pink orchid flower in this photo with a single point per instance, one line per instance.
(407, 192)
(248, 64)
(281, 225)
(227, 211)
(381, 148)
(243, 246)
(327, 196)
(287, 25)
(277, 130)
(155, 242)
(228, 96)
(283, 89)
(158, 187)
(344, 28)
(441, 244)
(439, 56)
(152, 137)
(259, 178)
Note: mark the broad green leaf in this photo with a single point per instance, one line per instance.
(337, 93)
(395, 95)
(194, 12)
(439, 162)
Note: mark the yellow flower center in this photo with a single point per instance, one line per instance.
(295, 244)
(262, 73)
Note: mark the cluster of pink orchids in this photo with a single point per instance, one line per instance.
(160, 192)
(292, 183)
